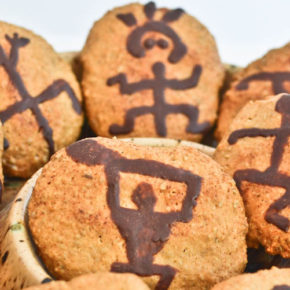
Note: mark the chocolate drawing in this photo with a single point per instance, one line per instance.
(137, 48)
(144, 230)
(271, 176)
(28, 102)
(282, 287)
(137, 44)
(160, 109)
(276, 78)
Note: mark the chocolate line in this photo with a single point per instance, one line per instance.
(271, 176)
(277, 79)
(150, 9)
(128, 19)
(160, 109)
(144, 230)
(9, 63)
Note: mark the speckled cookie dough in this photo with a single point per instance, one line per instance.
(267, 76)
(151, 72)
(169, 215)
(274, 279)
(40, 101)
(98, 281)
(256, 152)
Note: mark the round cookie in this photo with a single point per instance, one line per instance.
(256, 152)
(40, 101)
(170, 215)
(274, 279)
(267, 76)
(97, 281)
(161, 79)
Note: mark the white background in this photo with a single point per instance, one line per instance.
(244, 29)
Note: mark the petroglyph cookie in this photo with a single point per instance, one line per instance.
(40, 101)
(256, 152)
(169, 215)
(265, 77)
(151, 72)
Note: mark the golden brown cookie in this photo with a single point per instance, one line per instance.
(40, 101)
(170, 215)
(256, 152)
(97, 281)
(274, 279)
(151, 72)
(267, 76)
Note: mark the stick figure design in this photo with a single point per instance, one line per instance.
(271, 176)
(159, 83)
(28, 102)
(144, 230)
(160, 109)
(276, 78)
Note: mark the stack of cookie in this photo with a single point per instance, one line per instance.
(171, 216)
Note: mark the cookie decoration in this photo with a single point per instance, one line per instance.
(1, 169)
(161, 81)
(109, 281)
(274, 279)
(265, 77)
(262, 176)
(129, 210)
(41, 102)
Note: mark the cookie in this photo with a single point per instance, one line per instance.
(169, 215)
(274, 279)
(40, 101)
(267, 76)
(256, 152)
(98, 281)
(151, 72)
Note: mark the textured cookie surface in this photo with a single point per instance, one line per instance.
(170, 215)
(40, 101)
(265, 77)
(98, 281)
(256, 152)
(151, 72)
(274, 279)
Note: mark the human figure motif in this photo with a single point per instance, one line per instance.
(159, 83)
(276, 78)
(28, 102)
(144, 230)
(271, 176)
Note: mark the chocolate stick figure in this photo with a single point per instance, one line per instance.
(271, 176)
(144, 230)
(137, 44)
(9, 63)
(277, 79)
(160, 109)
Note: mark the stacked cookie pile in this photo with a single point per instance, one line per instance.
(173, 217)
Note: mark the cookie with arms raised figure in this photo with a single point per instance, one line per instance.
(256, 152)
(168, 215)
(151, 72)
(40, 101)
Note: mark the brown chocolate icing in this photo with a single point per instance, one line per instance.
(144, 230)
(271, 176)
(282, 287)
(135, 39)
(160, 109)
(276, 78)
(28, 102)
